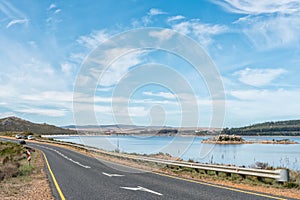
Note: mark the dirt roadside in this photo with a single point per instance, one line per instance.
(35, 186)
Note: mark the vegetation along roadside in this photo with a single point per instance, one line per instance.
(18, 179)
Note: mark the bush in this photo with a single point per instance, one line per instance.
(291, 185)
(9, 170)
(261, 165)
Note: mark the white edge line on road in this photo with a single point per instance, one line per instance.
(64, 156)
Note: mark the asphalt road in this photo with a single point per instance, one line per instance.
(83, 177)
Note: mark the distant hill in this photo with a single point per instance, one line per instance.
(19, 125)
(289, 127)
(113, 126)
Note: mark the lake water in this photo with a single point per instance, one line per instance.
(187, 147)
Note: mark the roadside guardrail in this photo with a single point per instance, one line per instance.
(281, 175)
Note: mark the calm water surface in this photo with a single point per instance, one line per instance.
(277, 155)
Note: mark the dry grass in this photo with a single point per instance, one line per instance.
(25, 182)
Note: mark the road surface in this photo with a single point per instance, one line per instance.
(78, 176)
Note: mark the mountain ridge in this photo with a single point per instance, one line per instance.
(15, 124)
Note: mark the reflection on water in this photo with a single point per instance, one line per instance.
(277, 155)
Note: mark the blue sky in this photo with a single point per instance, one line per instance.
(255, 46)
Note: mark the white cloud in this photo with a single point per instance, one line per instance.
(258, 77)
(49, 96)
(175, 18)
(136, 111)
(259, 7)
(7, 114)
(152, 102)
(51, 6)
(77, 57)
(269, 24)
(57, 11)
(154, 11)
(183, 27)
(272, 31)
(92, 40)
(17, 21)
(104, 89)
(119, 67)
(11, 11)
(25, 75)
(147, 19)
(166, 95)
(162, 35)
(67, 67)
(43, 111)
(201, 31)
(263, 105)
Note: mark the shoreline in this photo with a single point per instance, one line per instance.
(159, 135)
(250, 142)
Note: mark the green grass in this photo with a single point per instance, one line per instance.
(13, 162)
(25, 169)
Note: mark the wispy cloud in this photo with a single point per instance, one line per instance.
(43, 112)
(67, 67)
(175, 18)
(166, 95)
(258, 77)
(17, 21)
(259, 7)
(53, 18)
(272, 31)
(203, 32)
(7, 114)
(93, 39)
(11, 11)
(162, 35)
(49, 96)
(155, 11)
(268, 24)
(57, 11)
(120, 67)
(13, 15)
(51, 6)
(25, 74)
(147, 19)
(256, 105)
(84, 45)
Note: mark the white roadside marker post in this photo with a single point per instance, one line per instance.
(28, 156)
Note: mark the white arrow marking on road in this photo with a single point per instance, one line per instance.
(111, 175)
(139, 188)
